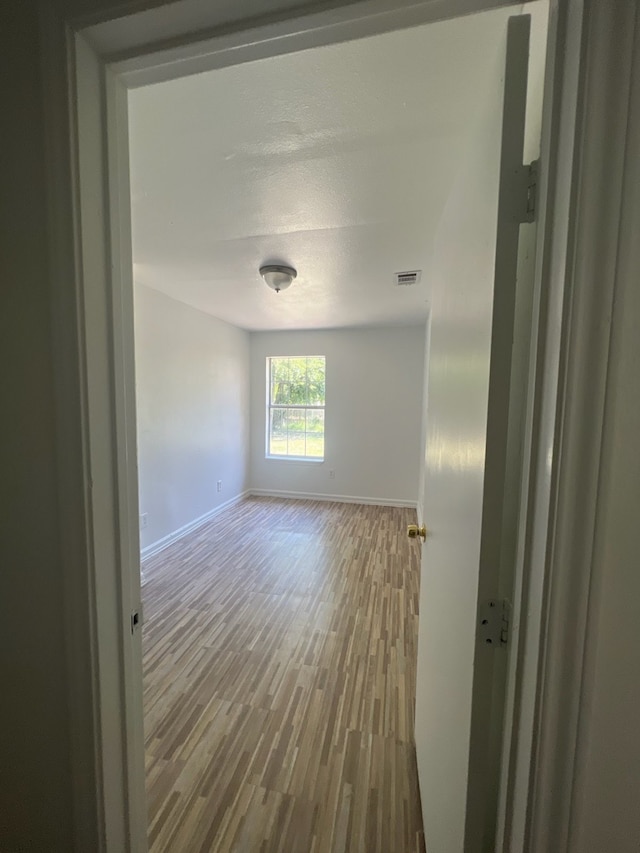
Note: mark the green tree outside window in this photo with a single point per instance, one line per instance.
(296, 406)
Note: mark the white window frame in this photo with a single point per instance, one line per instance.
(289, 457)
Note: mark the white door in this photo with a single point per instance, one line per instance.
(480, 317)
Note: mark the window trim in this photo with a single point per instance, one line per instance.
(313, 460)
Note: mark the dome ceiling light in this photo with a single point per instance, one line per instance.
(278, 277)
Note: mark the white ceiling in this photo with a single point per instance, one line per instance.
(336, 160)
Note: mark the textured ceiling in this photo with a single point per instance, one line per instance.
(336, 160)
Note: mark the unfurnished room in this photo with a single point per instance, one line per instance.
(320, 252)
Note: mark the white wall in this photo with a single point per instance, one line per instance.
(372, 420)
(35, 780)
(192, 390)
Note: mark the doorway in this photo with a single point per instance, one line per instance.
(134, 593)
(285, 152)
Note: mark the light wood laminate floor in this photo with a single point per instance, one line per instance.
(279, 680)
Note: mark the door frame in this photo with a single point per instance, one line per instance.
(88, 61)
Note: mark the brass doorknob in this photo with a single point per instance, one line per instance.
(414, 530)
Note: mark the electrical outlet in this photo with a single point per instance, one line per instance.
(219, 486)
(144, 520)
(332, 474)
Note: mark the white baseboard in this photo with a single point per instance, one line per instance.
(170, 538)
(345, 499)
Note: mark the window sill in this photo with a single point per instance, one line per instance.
(310, 459)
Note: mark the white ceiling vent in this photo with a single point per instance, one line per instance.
(405, 279)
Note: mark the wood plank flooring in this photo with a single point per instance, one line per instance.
(279, 679)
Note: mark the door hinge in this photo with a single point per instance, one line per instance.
(494, 620)
(530, 208)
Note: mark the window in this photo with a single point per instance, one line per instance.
(295, 412)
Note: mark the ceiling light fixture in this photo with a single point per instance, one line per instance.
(278, 277)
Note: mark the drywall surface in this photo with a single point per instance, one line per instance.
(35, 766)
(374, 386)
(192, 390)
